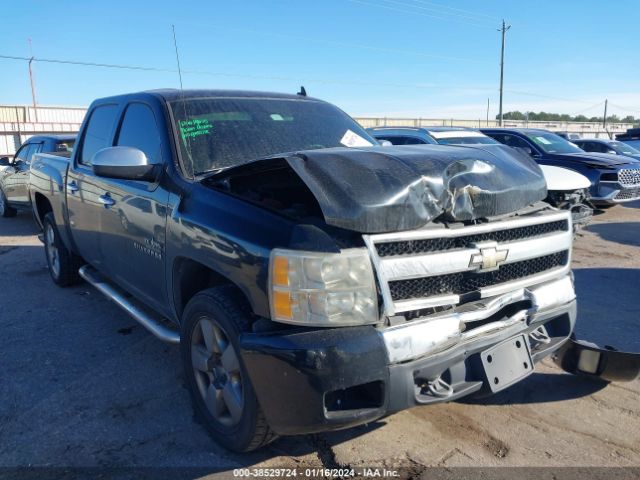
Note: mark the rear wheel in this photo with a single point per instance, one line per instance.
(63, 264)
(219, 385)
(5, 209)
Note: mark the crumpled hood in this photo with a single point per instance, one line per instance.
(604, 160)
(386, 189)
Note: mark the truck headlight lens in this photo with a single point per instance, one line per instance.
(322, 289)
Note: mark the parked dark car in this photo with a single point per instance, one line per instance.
(14, 177)
(604, 145)
(430, 135)
(630, 137)
(614, 178)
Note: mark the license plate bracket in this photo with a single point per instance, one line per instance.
(507, 363)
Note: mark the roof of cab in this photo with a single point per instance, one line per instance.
(172, 94)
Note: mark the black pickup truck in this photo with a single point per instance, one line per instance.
(313, 279)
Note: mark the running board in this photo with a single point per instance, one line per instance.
(92, 276)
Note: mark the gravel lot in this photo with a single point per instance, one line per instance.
(81, 384)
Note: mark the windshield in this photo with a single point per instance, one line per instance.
(624, 148)
(65, 145)
(633, 143)
(552, 143)
(457, 137)
(219, 133)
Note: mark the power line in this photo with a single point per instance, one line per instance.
(146, 68)
(438, 11)
(336, 43)
(228, 74)
(439, 5)
(422, 14)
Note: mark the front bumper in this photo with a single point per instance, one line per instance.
(612, 193)
(327, 379)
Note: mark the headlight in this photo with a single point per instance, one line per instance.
(322, 289)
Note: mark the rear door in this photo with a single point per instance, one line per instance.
(133, 251)
(83, 189)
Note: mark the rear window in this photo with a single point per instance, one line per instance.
(65, 145)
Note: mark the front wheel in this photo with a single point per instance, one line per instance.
(218, 383)
(5, 209)
(63, 264)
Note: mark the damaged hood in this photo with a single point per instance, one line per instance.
(388, 189)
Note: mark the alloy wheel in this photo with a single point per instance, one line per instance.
(52, 251)
(217, 371)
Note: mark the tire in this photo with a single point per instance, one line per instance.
(63, 264)
(6, 210)
(218, 383)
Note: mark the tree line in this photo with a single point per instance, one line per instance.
(563, 117)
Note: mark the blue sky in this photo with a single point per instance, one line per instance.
(370, 57)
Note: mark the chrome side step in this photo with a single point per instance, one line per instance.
(92, 276)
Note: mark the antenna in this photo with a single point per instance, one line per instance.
(175, 44)
(302, 92)
(184, 104)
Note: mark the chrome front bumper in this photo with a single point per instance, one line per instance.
(438, 333)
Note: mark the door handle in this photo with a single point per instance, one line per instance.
(106, 200)
(72, 187)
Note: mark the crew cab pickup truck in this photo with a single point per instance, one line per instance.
(614, 179)
(14, 173)
(313, 279)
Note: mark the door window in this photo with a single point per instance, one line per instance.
(139, 130)
(97, 135)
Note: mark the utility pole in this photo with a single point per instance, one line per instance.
(504, 29)
(33, 86)
(604, 119)
(487, 113)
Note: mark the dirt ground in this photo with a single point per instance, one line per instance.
(83, 385)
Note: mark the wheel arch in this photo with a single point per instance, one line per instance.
(190, 277)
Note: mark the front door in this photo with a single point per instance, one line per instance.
(133, 252)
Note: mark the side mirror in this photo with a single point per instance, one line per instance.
(126, 163)
(613, 152)
(5, 162)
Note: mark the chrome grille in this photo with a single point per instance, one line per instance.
(628, 194)
(412, 247)
(468, 282)
(629, 177)
(441, 267)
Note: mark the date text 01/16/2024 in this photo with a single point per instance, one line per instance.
(315, 472)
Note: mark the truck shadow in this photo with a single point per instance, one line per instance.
(543, 388)
(22, 225)
(624, 233)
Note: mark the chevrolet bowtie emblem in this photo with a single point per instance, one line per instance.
(489, 258)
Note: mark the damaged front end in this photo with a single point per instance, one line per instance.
(469, 275)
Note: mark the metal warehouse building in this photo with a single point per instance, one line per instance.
(19, 122)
